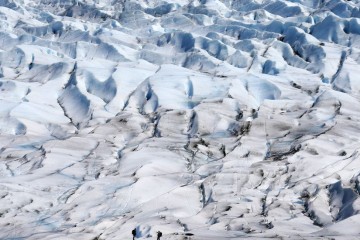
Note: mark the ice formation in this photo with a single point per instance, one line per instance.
(202, 119)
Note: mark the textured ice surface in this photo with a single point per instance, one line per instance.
(202, 119)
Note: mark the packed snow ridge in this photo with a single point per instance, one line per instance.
(202, 119)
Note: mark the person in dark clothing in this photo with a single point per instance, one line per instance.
(159, 235)
(134, 233)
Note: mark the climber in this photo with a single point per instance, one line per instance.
(159, 235)
(134, 233)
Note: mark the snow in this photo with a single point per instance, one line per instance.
(201, 119)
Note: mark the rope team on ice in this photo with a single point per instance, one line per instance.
(159, 234)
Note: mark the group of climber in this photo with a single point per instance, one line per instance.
(159, 234)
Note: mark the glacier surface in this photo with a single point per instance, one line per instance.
(203, 119)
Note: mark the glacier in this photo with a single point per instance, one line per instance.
(202, 119)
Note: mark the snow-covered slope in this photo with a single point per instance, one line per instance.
(201, 119)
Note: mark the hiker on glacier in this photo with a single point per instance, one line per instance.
(134, 233)
(159, 235)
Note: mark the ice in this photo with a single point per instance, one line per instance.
(75, 105)
(201, 119)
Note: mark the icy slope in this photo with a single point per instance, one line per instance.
(202, 119)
